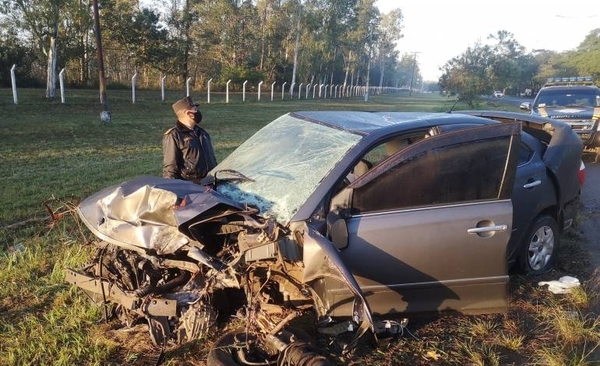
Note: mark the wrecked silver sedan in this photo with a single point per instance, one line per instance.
(358, 218)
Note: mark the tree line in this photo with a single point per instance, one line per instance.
(346, 42)
(503, 64)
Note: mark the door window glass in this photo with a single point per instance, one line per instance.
(468, 171)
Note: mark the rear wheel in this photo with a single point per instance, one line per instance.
(539, 247)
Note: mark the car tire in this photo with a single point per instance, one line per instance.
(539, 247)
(226, 350)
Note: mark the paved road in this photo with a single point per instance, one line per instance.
(507, 99)
(590, 211)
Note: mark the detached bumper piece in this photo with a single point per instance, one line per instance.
(102, 291)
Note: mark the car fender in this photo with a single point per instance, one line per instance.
(321, 260)
(562, 157)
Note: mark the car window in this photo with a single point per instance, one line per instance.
(388, 148)
(449, 174)
(281, 161)
(525, 154)
(567, 98)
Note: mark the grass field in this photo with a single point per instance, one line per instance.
(54, 154)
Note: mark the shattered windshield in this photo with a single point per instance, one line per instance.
(286, 160)
(567, 98)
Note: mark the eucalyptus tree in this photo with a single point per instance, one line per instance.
(406, 70)
(41, 20)
(339, 19)
(180, 18)
(369, 20)
(390, 31)
(134, 39)
(77, 42)
(363, 37)
(227, 39)
(309, 63)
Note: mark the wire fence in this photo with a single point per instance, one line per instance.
(249, 92)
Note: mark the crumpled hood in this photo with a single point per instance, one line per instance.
(150, 212)
(567, 113)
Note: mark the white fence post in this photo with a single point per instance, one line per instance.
(187, 87)
(61, 80)
(331, 91)
(272, 90)
(162, 88)
(300, 91)
(244, 91)
(325, 95)
(227, 91)
(314, 90)
(13, 80)
(133, 78)
(336, 92)
(208, 89)
(283, 89)
(292, 90)
(259, 85)
(307, 90)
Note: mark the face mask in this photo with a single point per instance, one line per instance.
(197, 117)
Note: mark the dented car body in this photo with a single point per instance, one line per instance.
(356, 217)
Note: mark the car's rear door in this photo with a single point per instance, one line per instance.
(427, 229)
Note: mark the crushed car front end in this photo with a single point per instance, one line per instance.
(185, 258)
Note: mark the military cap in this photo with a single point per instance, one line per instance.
(183, 105)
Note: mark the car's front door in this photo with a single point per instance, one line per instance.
(427, 229)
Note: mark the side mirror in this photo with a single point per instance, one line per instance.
(525, 106)
(337, 229)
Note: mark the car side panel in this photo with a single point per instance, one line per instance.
(463, 272)
(533, 192)
(427, 229)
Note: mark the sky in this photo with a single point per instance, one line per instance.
(438, 30)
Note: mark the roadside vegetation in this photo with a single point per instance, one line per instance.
(349, 42)
(53, 155)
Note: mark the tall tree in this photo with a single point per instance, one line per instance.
(390, 31)
(14, 52)
(41, 18)
(586, 58)
(466, 75)
(504, 68)
(76, 35)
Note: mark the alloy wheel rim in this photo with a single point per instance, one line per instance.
(541, 247)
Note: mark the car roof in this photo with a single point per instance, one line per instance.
(569, 87)
(365, 123)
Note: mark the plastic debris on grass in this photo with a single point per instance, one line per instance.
(564, 284)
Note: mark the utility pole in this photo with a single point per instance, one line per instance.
(105, 114)
(412, 72)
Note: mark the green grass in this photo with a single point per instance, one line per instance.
(56, 154)
(53, 149)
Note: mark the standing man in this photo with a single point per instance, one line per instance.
(187, 150)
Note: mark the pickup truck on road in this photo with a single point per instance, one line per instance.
(574, 100)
